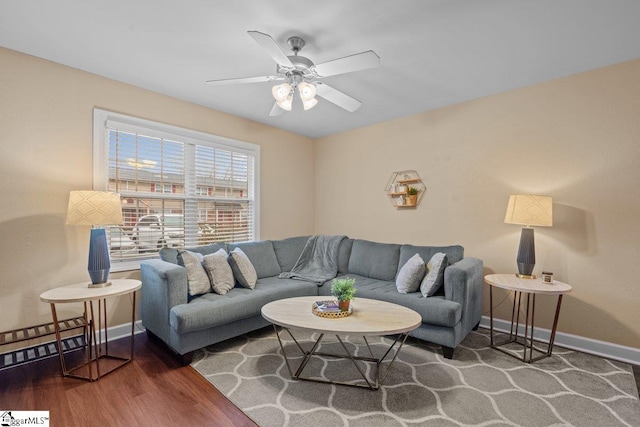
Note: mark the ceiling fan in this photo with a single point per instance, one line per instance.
(298, 72)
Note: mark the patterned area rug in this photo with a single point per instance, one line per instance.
(481, 386)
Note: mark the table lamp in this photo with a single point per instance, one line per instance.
(96, 208)
(528, 210)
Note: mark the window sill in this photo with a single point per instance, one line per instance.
(125, 266)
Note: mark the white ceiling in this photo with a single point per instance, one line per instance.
(433, 52)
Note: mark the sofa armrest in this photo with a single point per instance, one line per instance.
(463, 283)
(164, 285)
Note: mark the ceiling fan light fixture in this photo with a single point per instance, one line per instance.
(281, 92)
(309, 103)
(307, 91)
(286, 103)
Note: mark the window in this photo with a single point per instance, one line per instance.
(161, 188)
(179, 187)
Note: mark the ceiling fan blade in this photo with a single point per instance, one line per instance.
(260, 79)
(271, 47)
(359, 61)
(339, 98)
(276, 111)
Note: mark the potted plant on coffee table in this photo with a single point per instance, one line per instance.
(343, 289)
(412, 196)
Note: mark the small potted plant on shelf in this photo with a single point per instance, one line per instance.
(344, 290)
(412, 196)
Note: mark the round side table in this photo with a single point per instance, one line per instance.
(530, 287)
(80, 292)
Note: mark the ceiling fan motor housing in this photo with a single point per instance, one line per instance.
(296, 43)
(301, 71)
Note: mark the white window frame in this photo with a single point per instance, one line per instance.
(101, 118)
(162, 188)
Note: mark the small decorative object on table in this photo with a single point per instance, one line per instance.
(329, 309)
(344, 290)
(547, 277)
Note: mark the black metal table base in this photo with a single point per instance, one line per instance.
(372, 385)
(527, 339)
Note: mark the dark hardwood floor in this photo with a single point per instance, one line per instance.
(153, 390)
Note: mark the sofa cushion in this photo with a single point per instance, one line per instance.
(434, 279)
(435, 310)
(288, 251)
(454, 253)
(211, 310)
(410, 275)
(375, 260)
(219, 271)
(197, 279)
(171, 254)
(243, 270)
(262, 257)
(344, 253)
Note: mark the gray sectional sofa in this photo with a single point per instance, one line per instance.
(186, 324)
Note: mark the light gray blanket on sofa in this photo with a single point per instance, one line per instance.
(318, 261)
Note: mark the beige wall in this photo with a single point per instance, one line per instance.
(46, 151)
(576, 139)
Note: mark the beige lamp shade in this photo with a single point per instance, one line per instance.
(530, 210)
(94, 208)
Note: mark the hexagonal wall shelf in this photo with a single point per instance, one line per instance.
(405, 189)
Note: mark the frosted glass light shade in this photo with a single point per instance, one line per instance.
(94, 208)
(309, 104)
(286, 103)
(530, 210)
(281, 92)
(307, 91)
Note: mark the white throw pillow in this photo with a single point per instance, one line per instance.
(243, 270)
(197, 279)
(434, 278)
(219, 271)
(410, 275)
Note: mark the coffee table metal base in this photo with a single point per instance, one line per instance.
(379, 377)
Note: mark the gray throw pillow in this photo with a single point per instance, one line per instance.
(434, 278)
(219, 272)
(197, 279)
(410, 275)
(242, 268)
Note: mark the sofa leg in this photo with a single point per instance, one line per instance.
(186, 358)
(447, 352)
(475, 328)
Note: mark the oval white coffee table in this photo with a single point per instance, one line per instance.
(369, 318)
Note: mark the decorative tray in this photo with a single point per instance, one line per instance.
(329, 309)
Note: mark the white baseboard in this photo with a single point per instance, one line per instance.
(122, 331)
(574, 342)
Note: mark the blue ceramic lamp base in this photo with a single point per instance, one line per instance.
(99, 264)
(526, 254)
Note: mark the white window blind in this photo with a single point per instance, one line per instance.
(179, 188)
